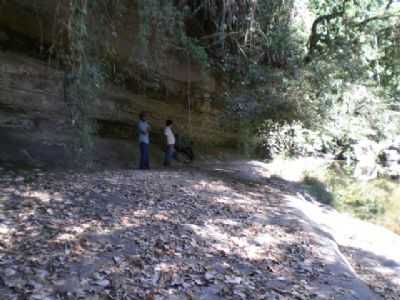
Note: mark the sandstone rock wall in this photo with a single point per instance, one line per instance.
(31, 27)
(31, 110)
(34, 117)
(35, 125)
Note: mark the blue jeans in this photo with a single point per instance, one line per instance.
(144, 156)
(170, 154)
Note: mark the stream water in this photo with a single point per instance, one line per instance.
(371, 198)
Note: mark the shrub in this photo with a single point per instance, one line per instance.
(287, 139)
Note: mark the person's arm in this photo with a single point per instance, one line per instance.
(143, 128)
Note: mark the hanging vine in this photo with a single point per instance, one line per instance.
(78, 49)
(163, 30)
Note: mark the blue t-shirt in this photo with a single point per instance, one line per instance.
(143, 128)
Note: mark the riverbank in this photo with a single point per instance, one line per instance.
(376, 200)
(334, 183)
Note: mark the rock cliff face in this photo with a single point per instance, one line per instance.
(34, 116)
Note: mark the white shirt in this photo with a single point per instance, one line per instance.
(170, 135)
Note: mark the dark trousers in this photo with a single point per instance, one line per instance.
(144, 156)
(170, 154)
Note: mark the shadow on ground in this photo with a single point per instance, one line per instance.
(188, 234)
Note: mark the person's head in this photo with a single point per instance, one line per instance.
(168, 122)
(143, 115)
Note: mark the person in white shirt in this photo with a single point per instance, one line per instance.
(144, 141)
(170, 152)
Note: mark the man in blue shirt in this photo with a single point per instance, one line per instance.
(144, 141)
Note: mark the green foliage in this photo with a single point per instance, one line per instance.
(81, 91)
(359, 114)
(277, 33)
(359, 40)
(318, 190)
(375, 200)
(79, 47)
(353, 54)
(85, 80)
(286, 139)
(193, 48)
(163, 30)
(348, 88)
(83, 83)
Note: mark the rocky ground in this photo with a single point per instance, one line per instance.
(198, 233)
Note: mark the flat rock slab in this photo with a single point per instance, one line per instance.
(187, 234)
